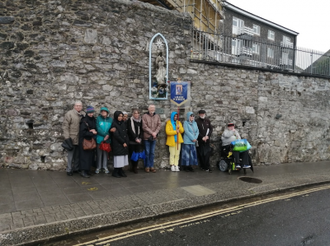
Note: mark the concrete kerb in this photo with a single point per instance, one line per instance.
(44, 232)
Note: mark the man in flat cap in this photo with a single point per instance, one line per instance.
(204, 148)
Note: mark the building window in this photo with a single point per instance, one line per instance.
(286, 39)
(270, 53)
(287, 42)
(271, 35)
(256, 49)
(238, 24)
(256, 29)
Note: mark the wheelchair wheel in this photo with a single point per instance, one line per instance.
(223, 166)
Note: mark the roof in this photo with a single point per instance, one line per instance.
(258, 18)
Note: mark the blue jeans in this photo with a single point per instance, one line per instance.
(150, 153)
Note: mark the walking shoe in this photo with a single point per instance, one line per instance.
(106, 170)
(147, 169)
(190, 169)
(153, 170)
(238, 166)
(208, 170)
(97, 171)
(246, 166)
(122, 173)
(84, 174)
(115, 173)
(177, 168)
(69, 173)
(173, 168)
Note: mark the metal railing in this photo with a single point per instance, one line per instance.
(243, 50)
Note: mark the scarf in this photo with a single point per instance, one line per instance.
(133, 126)
(174, 125)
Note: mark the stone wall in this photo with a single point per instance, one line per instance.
(55, 52)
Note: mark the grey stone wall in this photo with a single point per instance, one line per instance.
(55, 52)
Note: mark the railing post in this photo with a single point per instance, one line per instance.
(312, 62)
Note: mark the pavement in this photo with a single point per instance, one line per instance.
(38, 205)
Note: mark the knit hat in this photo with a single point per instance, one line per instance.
(90, 109)
(104, 109)
(124, 113)
(202, 111)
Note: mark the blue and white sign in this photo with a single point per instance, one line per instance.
(179, 92)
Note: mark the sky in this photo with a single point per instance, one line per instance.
(309, 18)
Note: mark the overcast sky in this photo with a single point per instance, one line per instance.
(309, 18)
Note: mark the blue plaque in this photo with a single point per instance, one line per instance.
(179, 92)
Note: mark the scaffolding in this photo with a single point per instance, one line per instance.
(207, 14)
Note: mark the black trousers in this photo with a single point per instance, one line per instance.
(204, 153)
(241, 155)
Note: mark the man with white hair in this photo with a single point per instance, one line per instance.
(151, 126)
(70, 128)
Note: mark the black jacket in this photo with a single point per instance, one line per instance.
(86, 156)
(203, 125)
(137, 147)
(119, 137)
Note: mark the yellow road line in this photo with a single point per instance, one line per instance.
(170, 224)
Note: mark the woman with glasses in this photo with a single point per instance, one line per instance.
(189, 154)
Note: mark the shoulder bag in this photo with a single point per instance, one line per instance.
(89, 144)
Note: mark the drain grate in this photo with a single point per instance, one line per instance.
(251, 180)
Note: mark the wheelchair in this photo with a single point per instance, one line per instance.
(227, 160)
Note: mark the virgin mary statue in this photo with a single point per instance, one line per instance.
(160, 68)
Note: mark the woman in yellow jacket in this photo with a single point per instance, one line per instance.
(174, 139)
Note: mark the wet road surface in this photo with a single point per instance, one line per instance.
(300, 218)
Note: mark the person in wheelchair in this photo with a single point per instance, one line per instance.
(230, 135)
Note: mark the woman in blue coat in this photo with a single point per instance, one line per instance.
(189, 154)
(103, 125)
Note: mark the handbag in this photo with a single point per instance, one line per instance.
(67, 144)
(105, 146)
(89, 144)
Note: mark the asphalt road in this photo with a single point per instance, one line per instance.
(301, 220)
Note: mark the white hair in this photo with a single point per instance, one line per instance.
(78, 103)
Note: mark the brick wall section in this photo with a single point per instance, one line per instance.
(55, 52)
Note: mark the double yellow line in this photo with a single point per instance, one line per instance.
(163, 226)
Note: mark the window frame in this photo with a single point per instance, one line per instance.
(270, 53)
(255, 48)
(271, 35)
(236, 28)
(257, 31)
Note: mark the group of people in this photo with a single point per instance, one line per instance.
(195, 141)
(135, 138)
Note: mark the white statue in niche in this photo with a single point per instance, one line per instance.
(160, 68)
